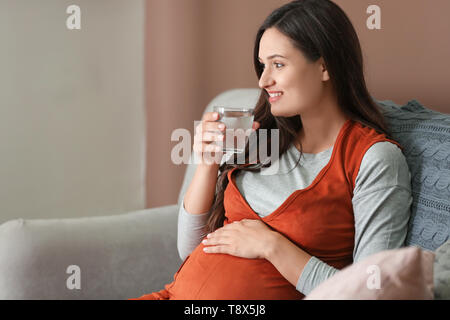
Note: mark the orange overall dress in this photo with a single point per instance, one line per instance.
(319, 219)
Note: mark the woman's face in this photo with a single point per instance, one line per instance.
(287, 72)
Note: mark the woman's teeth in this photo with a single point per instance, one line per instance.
(275, 94)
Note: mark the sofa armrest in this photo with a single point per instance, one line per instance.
(119, 257)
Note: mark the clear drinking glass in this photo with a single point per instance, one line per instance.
(238, 122)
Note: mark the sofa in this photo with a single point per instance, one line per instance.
(127, 255)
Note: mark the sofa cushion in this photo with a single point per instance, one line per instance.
(425, 136)
(405, 273)
(89, 258)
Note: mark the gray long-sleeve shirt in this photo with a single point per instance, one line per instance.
(381, 203)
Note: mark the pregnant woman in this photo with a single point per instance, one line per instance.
(342, 189)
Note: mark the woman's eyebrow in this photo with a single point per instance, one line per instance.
(273, 56)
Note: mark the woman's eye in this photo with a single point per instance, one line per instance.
(277, 65)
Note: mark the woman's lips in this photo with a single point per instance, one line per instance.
(275, 98)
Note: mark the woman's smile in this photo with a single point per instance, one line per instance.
(275, 96)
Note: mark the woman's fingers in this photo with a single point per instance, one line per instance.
(207, 147)
(210, 116)
(207, 132)
(211, 126)
(226, 249)
(217, 240)
(212, 136)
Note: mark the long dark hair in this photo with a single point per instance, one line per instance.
(318, 28)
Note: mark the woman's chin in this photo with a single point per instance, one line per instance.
(279, 112)
(276, 112)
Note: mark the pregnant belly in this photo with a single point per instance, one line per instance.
(224, 277)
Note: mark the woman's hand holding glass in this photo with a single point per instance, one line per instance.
(206, 132)
(210, 130)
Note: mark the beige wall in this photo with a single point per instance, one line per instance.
(196, 49)
(410, 56)
(72, 130)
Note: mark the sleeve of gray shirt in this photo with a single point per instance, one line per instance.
(191, 231)
(382, 206)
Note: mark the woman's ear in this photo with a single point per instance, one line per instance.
(323, 69)
(325, 75)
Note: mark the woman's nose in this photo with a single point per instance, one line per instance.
(265, 80)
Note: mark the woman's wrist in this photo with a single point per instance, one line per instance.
(271, 245)
(209, 166)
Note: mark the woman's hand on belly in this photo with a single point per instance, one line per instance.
(247, 238)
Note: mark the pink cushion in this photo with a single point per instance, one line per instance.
(405, 273)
